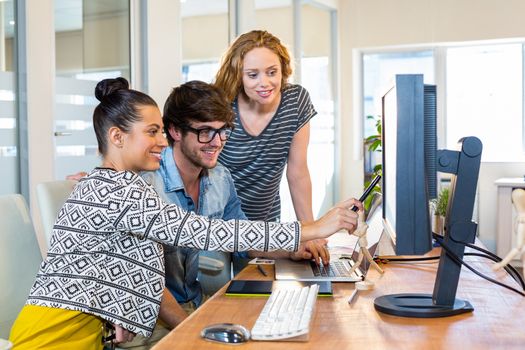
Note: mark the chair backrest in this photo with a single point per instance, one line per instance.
(19, 258)
(51, 196)
(214, 270)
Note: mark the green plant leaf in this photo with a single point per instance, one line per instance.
(375, 146)
(373, 143)
(442, 202)
(373, 138)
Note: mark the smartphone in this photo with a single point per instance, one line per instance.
(368, 190)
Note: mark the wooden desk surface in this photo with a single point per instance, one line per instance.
(498, 320)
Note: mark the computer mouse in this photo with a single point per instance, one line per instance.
(226, 333)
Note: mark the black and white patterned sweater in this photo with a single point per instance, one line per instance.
(106, 258)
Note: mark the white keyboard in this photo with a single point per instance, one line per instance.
(287, 314)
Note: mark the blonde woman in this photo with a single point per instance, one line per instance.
(272, 126)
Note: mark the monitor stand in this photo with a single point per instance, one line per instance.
(419, 305)
(460, 230)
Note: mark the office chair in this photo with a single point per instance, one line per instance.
(214, 271)
(214, 267)
(51, 196)
(19, 259)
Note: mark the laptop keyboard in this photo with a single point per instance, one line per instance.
(335, 269)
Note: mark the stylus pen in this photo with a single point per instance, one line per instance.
(259, 267)
(352, 296)
(368, 190)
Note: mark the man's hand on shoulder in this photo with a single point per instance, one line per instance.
(76, 176)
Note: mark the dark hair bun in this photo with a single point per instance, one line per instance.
(109, 86)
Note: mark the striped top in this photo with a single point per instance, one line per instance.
(257, 163)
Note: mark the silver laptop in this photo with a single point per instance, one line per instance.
(340, 265)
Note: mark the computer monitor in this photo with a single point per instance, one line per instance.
(410, 162)
(409, 148)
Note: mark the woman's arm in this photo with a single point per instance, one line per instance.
(138, 209)
(170, 311)
(298, 175)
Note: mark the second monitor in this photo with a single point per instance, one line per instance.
(409, 166)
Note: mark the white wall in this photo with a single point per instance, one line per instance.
(378, 23)
(40, 100)
(164, 55)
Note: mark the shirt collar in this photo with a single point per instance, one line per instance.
(170, 173)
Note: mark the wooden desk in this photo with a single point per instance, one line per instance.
(498, 321)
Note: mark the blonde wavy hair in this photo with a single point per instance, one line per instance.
(229, 76)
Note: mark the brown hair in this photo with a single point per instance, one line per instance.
(119, 106)
(196, 101)
(229, 76)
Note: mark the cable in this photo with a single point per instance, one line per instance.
(508, 268)
(386, 260)
(486, 254)
(511, 270)
(454, 257)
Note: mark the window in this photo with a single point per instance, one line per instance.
(203, 71)
(483, 93)
(484, 96)
(379, 70)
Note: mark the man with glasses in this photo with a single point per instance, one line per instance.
(197, 121)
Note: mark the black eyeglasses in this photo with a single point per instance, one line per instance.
(205, 135)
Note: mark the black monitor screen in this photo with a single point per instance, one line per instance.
(405, 181)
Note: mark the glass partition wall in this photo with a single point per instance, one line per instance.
(92, 42)
(9, 141)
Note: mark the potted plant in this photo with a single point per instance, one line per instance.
(372, 145)
(439, 207)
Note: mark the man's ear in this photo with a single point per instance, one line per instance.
(175, 133)
(116, 137)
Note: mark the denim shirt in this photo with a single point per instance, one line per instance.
(217, 200)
